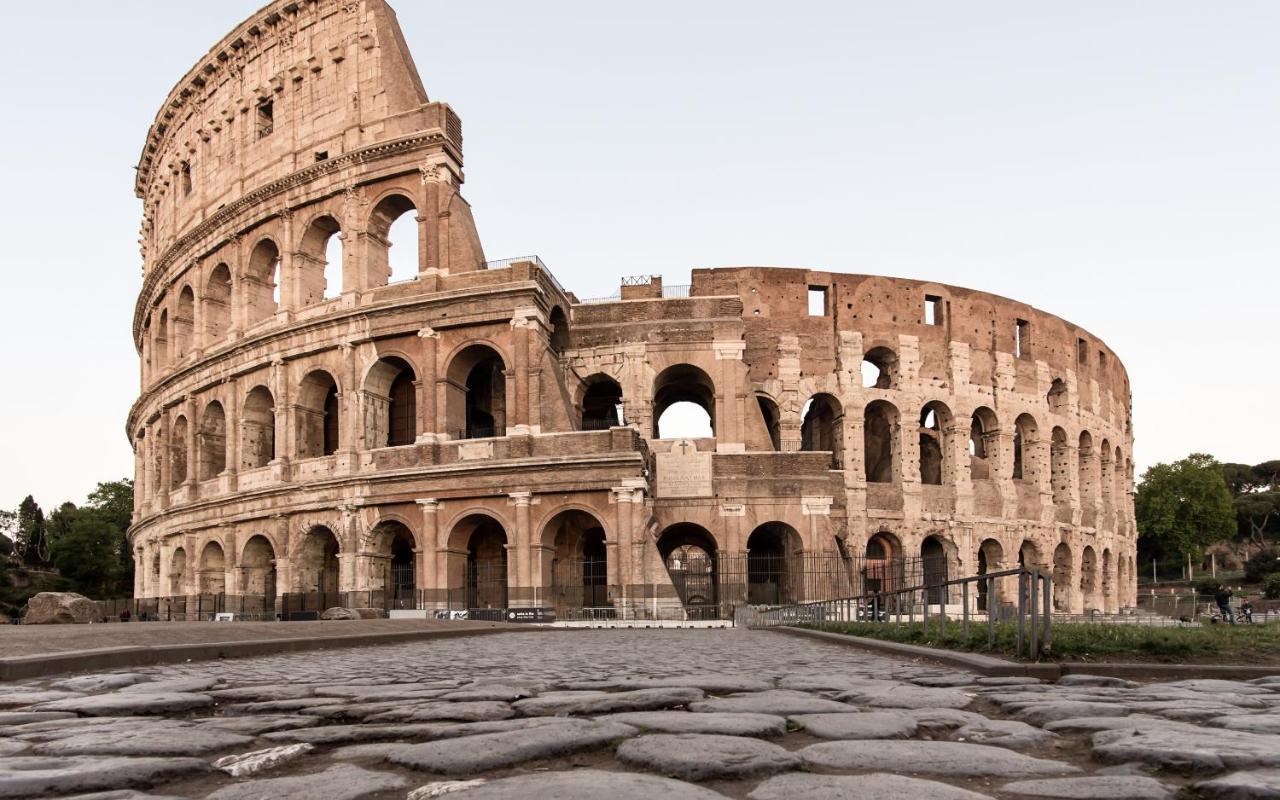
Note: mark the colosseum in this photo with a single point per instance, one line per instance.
(344, 403)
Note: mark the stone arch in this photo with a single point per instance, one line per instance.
(936, 421)
(483, 570)
(262, 281)
(178, 453)
(984, 429)
(318, 415)
(1085, 459)
(690, 554)
(211, 444)
(937, 566)
(1108, 580)
(574, 539)
(1060, 469)
(690, 395)
(258, 429)
(1026, 449)
(1118, 493)
(215, 305)
(1057, 396)
(184, 320)
(1063, 574)
(1089, 578)
(772, 418)
(392, 549)
(161, 348)
(772, 549)
(880, 368)
(389, 226)
(476, 400)
(258, 567)
(321, 256)
(881, 452)
(178, 572)
(316, 565)
(601, 403)
(822, 429)
(990, 559)
(883, 563)
(390, 403)
(213, 569)
(559, 330)
(1029, 555)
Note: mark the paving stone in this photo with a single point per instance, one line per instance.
(952, 681)
(1260, 784)
(12, 748)
(1009, 680)
(117, 704)
(346, 734)
(1094, 680)
(1187, 748)
(637, 700)
(957, 759)
(783, 702)
(258, 725)
(870, 725)
(31, 776)
(398, 691)
(184, 685)
(11, 699)
(243, 694)
(1216, 686)
(1254, 723)
(140, 737)
(244, 764)
(121, 794)
(8, 718)
(875, 786)
(339, 782)
(942, 719)
(700, 757)
(1043, 713)
(478, 711)
(911, 697)
(506, 694)
(711, 722)
(1004, 733)
(100, 682)
(836, 683)
(471, 754)
(1105, 787)
(301, 705)
(441, 788)
(586, 783)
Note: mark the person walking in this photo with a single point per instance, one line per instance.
(1223, 599)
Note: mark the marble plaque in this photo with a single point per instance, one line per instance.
(684, 472)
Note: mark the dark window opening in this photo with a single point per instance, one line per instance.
(331, 421)
(402, 411)
(1022, 339)
(1082, 351)
(602, 405)
(186, 177)
(486, 400)
(266, 118)
(322, 155)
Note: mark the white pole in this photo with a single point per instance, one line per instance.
(1213, 565)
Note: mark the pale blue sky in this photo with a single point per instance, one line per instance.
(1115, 163)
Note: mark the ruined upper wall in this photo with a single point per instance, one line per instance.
(300, 81)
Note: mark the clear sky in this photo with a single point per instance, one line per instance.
(1113, 162)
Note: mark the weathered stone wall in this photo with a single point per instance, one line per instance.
(460, 427)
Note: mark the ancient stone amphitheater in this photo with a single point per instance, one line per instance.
(343, 402)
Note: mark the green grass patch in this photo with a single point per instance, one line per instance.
(1243, 644)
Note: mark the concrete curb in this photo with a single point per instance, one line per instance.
(23, 667)
(990, 666)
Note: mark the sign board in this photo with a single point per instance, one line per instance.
(224, 617)
(531, 615)
(684, 472)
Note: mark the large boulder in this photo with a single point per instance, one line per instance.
(370, 613)
(338, 612)
(60, 608)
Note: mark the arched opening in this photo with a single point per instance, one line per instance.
(772, 420)
(1108, 581)
(1089, 578)
(579, 561)
(1028, 554)
(1026, 465)
(935, 458)
(1062, 575)
(1057, 396)
(395, 569)
(689, 553)
(601, 404)
(262, 282)
(391, 404)
(559, 330)
(212, 441)
(935, 569)
(883, 571)
(1060, 468)
(317, 564)
(1106, 480)
(1086, 465)
(184, 323)
(393, 241)
(770, 548)
(879, 368)
(213, 569)
(258, 429)
(683, 404)
(1118, 493)
(320, 258)
(821, 429)
(161, 348)
(990, 559)
(178, 453)
(487, 566)
(215, 306)
(477, 394)
(318, 415)
(258, 565)
(983, 430)
(178, 572)
(880, 447)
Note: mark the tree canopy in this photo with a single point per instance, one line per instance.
(1184, 506)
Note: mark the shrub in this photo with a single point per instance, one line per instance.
(1260, 565)
(1208, 586)
(1271, 586)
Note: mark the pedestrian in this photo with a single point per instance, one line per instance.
(125, 615)
(1223, 598)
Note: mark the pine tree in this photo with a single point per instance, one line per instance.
(32, 544)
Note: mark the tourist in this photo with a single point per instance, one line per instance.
(1223, 599)
(125, 615)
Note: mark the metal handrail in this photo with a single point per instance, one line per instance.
(1033, 609)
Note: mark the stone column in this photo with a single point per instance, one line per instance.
(231, 445)
(282, 393)
(523, 320)
(193, 463)
(425, 386)
(522, 562)
(432, 551)
(729, 436)
(619, 549)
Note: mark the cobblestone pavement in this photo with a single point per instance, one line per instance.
(622, 714)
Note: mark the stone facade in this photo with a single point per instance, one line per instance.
(479, 436)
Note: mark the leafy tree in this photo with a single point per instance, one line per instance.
(8, 530)
(114, 501)
(31, 543)
(1240, 478)
(1257, 509)
(1184, 506)
(87, 551)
